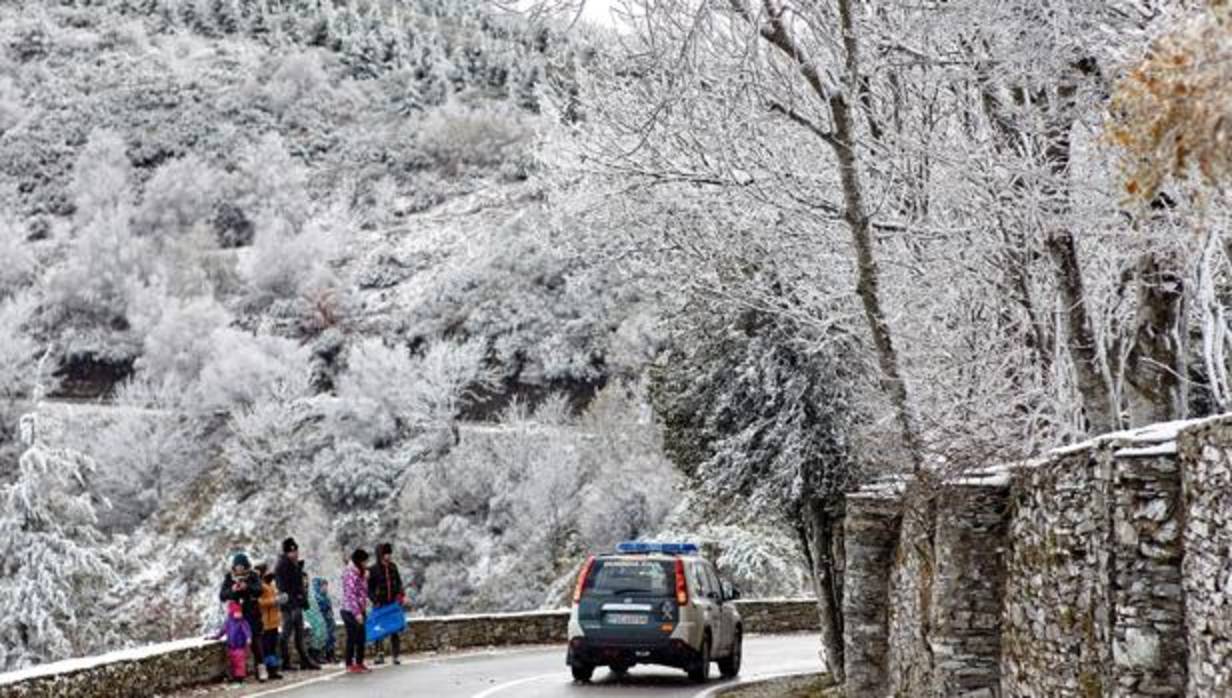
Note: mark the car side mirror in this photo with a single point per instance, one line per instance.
(730, 591)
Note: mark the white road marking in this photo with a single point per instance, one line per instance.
(714, 690)
(406, 662)
(504, 686)
(296, 686)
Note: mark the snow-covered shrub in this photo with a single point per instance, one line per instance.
(20, 266)
(18, 351)
(271, 184)
(104, 262)
(102, 182)
(459, 137)
(12, 107)
(272, 441)
(181, 194)
(297, 77)
(354, 475)
(284, 265)
(417, 392)
(175, 332)
(147, 451)
(244, 369)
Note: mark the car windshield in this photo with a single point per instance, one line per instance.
(650, 577)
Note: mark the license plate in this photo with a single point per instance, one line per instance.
(626, 619)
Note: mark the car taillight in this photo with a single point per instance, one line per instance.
(581, 582)
(682, 591)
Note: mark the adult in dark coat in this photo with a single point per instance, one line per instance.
(289, 577)
(385, 587)
(243, 586)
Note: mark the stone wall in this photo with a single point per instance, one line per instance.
(1104, 569)
(945, 609)
(909, 658)
(146, 671)
(968, 588)
(1206, 458)
(1148, 606)
(160, 669)
(870, 529)
(1056, 613)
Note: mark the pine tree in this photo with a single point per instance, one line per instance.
(54, 563)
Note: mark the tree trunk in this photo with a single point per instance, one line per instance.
(1153, 368)
(843, 142)
(1101, 413)
(826, 585)
(1096, 398)
(856, 217)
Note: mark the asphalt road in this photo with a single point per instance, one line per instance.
(540, 672)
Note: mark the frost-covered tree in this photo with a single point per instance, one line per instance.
(755, 416)
(96, 281)
(271, 439)
(244, 369)
(56, 564)
(181, 194)
(176, 335)
(102, 177)
(272, 184)
(21, 266)
(147, 451)
(12, 106)
(417, 392)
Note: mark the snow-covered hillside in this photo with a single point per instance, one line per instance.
(265, 265)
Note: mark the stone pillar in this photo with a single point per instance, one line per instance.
(1148, 640)
(1206, 462)
(870, 530)
(968, 588)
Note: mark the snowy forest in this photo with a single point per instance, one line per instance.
(506, 286)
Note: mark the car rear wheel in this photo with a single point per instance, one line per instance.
(582, 672)
(729, 666)
(700, 671)
(620, 671)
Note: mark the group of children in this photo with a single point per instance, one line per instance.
(267, 610)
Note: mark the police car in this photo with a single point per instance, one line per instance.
(653, 603)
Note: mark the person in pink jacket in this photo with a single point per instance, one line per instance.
(354, 608)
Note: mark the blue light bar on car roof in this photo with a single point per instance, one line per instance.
(636, 547)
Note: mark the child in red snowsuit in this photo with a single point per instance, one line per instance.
(238, 635)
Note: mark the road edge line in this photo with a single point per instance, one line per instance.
(714, 690)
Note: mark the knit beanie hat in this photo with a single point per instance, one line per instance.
(384, 549)
(289, 545)
(233, 607)
(241, 560)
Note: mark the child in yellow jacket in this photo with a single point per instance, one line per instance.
(271, 621)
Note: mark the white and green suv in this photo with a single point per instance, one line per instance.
(653, 603)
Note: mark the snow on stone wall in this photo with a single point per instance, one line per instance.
(1101, 570)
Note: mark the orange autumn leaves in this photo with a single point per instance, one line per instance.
(1171, 114)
